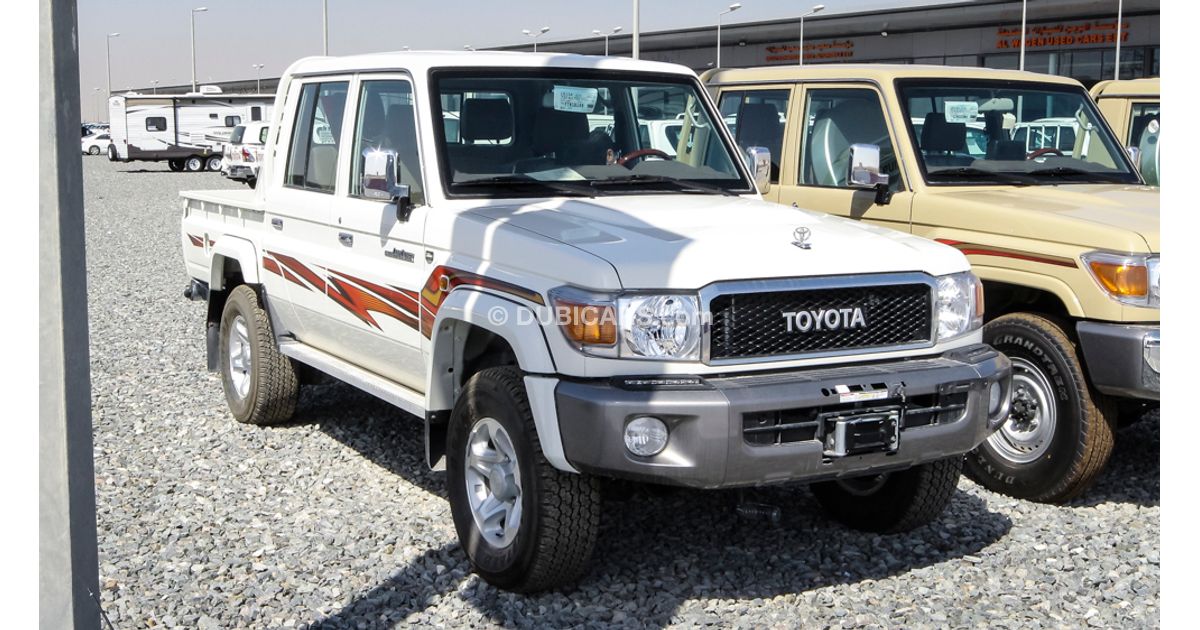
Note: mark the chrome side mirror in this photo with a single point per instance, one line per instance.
(758, 160)
(379, 182)
(864, 167)
(1135, 154)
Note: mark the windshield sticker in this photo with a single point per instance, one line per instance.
(575, 99)
(961, 111)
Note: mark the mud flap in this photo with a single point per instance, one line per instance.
(435, 438)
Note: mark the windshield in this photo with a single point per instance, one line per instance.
(984, 132)
(527, 133)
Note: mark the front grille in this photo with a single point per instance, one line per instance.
(746, 325)
(785, 426)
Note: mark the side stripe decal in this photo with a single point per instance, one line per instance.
(975, 249)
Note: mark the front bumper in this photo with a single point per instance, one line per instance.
(1122, 359)
(721, 431)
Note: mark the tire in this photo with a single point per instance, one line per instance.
(112, 153)
(252, 182)
(260, 383)
(175, 164)
(1059, 434)
(93, 150)
(213, 163)
(893, 502)
(553, 536)
(194, 164)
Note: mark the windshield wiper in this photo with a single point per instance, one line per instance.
(685, 185)
(574, 188)
(968, 172)
(1071, 171)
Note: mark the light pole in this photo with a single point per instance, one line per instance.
(637, 28)
(615, 30)
(258, 78)
(108, 62)
(96, 102)
(1021, 63)
(154, 86)
(1117, 72)
(194, 12)
(733, 7)
(534, 36)
(815, 10)
(325, 27)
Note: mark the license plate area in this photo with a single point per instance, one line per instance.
(861, 431)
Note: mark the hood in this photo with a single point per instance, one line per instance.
(689, 241)
(1103, 216)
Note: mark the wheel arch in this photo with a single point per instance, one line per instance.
(234, 262)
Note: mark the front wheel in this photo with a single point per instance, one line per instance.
(260, 382)
(525, 526)
(892, 502)
(1059, 434)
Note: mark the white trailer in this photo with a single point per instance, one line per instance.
(186, 130)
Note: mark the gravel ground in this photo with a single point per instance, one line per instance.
(333, 522)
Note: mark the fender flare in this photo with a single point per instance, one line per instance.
(1050, 284)
(239, 249)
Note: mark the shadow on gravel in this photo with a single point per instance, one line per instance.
(657, 548)
(1132, 474)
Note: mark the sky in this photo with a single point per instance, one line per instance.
(233, 34)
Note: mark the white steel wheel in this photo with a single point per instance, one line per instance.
(214, 163)
(194, 164)
(1026, 434)
(493, 482)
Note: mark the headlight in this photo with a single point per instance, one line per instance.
(1127, 278)
(959, 305)
(632, 326)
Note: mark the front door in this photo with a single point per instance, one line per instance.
(757, 117)
(378, 267)
(834, 117)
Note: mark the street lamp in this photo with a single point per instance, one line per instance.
(815, 10)
(615, 30)
(154, 85)
(534, 36)
(258, 78)
(107, 62)
(194, 12)
(733, 7)
(1117, 72)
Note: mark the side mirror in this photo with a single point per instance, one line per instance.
(758, 160)
(1135, 154)
(864, 172)
(379, 182)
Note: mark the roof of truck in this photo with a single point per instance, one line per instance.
(1126, 88)
(877, 72)
(419, 61)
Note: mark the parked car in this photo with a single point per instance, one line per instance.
(96, 144)
(1065, 238)
(1132, 109)
(244, 152)
(561, 305)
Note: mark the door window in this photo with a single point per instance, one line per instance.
(387, 122)
(835, 119)
(757, 118)
(312, 163)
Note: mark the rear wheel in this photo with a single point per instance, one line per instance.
(260, 382)
(93, 150)
(213, 163)
(112, 153)
(194, 164)
(892, 502)
(1059, 434)
(525, 526)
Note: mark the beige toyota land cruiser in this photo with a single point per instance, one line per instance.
(1021, 173)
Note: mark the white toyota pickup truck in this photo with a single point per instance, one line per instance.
(560, 303)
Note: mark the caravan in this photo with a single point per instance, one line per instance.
(186, 130)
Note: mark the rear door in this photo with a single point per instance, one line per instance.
(378, 267)
(831, 118)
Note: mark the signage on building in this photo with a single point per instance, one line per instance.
(1062, 35)
(813, 51)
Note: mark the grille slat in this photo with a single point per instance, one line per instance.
(746, 325)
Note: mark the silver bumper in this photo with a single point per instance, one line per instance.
(1122, 359)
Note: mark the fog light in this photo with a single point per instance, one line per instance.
(995, 398)
(646, 436)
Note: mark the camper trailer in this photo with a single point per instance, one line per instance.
(186, 130)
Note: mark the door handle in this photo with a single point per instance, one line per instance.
(277, 223)
(345, 238)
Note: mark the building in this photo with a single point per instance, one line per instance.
(1075, 38)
